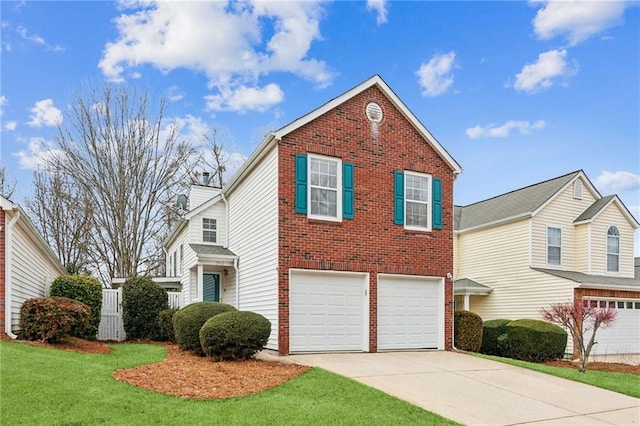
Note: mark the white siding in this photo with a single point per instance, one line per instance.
(218, 212)
(228, 285)
(499, 258)
(188, 261)
(32, 270)
(253, 236)
(199, 195)
(611, 216)
(561, 212)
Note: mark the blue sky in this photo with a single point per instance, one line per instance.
(517, 92)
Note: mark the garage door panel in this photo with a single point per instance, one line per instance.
(623, 336)
(326, 311)
(408, 312)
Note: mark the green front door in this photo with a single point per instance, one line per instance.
(211, 287)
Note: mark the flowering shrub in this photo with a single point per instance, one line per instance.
(51, 319)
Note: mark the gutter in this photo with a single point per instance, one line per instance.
(7, 275)
(235, 266)
(226, 204)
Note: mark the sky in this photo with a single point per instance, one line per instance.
(517, 92)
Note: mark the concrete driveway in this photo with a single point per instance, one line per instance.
(475, 391)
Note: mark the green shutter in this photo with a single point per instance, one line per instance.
(437, 203)
(347, 190)
(398, 193)
(301, 184)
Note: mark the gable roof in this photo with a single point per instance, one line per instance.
(600, 205)
(521, 203)
(273, 137)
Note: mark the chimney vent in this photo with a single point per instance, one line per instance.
(205, 178)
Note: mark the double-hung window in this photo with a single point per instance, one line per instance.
(417, 201)
(613, 249)
(324, 187)
(209, 230)
(554, 246)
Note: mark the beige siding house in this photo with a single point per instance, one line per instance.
(552, 242)
(27, 264)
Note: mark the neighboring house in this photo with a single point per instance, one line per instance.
(27, 264)
(553, 242)
(338, 229)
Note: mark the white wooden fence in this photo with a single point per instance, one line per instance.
(111, 324)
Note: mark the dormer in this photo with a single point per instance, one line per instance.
(200, 193)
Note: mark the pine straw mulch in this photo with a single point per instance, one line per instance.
(186, 375)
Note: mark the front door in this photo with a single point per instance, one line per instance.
(211, 287)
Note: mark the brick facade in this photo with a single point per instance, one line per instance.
(371, 242)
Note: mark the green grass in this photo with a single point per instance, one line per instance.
(40, 386)
(625, 383)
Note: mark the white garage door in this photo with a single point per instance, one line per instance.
(623, 336)
(328, 311)
(410, 312)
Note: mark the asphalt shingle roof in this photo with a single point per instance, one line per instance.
(466, 284)
(512, 204)
(594, 208)
(211, 250)
(581, 278)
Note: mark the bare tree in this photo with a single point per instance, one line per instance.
(579, 319)
(220, 158)
(6, 188)
(63, 215)
(125, 164)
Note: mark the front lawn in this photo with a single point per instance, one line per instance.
(41, 386)
(625, 383)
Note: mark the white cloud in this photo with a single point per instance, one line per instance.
(174, 94)
(3, 102)
(380, 7)
(615, 182)
(435, 76)
(39, 152)
(244, 99)
(35, 38)
(233, 44)
(11, 125)
(44, 113)
(543, 73)
(577, 19)
(493, 131)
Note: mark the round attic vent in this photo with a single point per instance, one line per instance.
(374, 112)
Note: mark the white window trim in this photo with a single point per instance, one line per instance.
(429, 201)
(606, 250)
(547, 245)
(338, 217)
(209, 230)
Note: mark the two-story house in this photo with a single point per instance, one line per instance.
(552, 242)
(338, 229)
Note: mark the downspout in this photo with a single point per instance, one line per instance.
(226, 245)
(226, 205)
(7, 275)
(235, 266)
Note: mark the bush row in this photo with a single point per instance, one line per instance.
(51, 319)
(85, 289)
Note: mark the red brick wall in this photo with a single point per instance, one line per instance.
(370, 242)
(580, 293)
(2, 269)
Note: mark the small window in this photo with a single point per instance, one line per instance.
(181, 258)
(325, 188)
(209, 230)
(612, 305)
(613, 249)
(175, 264)
(577, 189)
(637, 305)
(629, 305)
(620, 305)
(416, 209)
(554, 246)
(593, 303)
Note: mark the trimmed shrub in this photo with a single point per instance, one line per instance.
(188, 321)
(234, 335)
(85, 289)
(142, 301)
(491, 330)
(535, 340)
(165, 325)
(51, 319)
(468, 331)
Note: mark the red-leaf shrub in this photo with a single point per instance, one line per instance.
(51, 319)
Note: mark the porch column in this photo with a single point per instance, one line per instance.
(199, 281)
(466, 301)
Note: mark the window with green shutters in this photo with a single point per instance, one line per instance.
(417, 201)
(324, 187)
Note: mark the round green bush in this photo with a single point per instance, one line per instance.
(491, 330)
(165, 325)
(234, 335)
(467, 331)
(535, 340)
(51, 319)
(142, 301)
(85, 289)
(188, 321)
